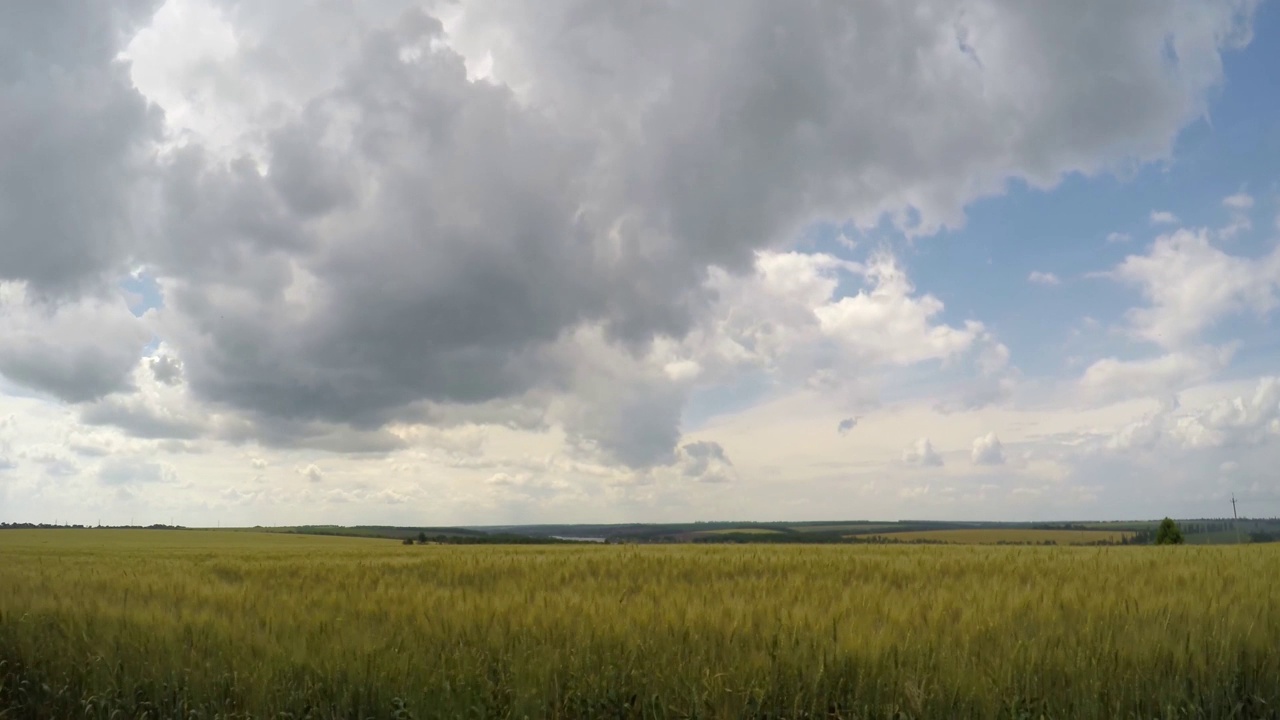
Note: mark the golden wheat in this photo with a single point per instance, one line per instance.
(203, 624)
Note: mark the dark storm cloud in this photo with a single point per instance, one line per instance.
(418, 238)
(74, 136)
(142, 421)
(166, 369)
(78, 350)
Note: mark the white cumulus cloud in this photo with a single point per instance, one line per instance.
(987, 450)
(921, 453)
(1189, 285)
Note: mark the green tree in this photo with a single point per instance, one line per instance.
(1169, 533)
(422, 537)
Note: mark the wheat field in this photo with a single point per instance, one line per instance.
(160, 624)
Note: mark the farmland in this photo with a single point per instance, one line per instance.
(117, 623)
(743, 531)
(1012, 536)
(1213, 531)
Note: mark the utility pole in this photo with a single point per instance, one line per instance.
(1235, 519)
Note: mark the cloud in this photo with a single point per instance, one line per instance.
(342, 496)
(77, 350)
(790, 317)
(502, 480)
(6, 464)
(365, 237)
(311, 472)
(706, 462)
(61, 468)
(518, 181)
(1238, 207)
(987, 450)
(166, 369)
(132, 471)
(886, 324)
(1229, 422)
(1239, 201)
(526, 486)
(801, 320)
(91, 445)
(847, 425)
(1190, 285)
(1118, 237)
(291, 434)
(922, 454)
(54, 464)
(171, 445)
(155, 404)
(1043, 278)
(75, 137)
(1163, 217)
(142, 420)
(1111, 379)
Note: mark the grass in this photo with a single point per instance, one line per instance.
(994, 536)
(101, 624)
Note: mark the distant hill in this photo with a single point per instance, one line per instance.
(1198, 531)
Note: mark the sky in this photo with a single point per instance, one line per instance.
(488, 262)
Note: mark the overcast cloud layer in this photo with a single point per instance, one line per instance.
(567, 260)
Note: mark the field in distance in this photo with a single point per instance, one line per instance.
(744, 531)
(1017, 535)
(171, 623)
(1138, 532)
